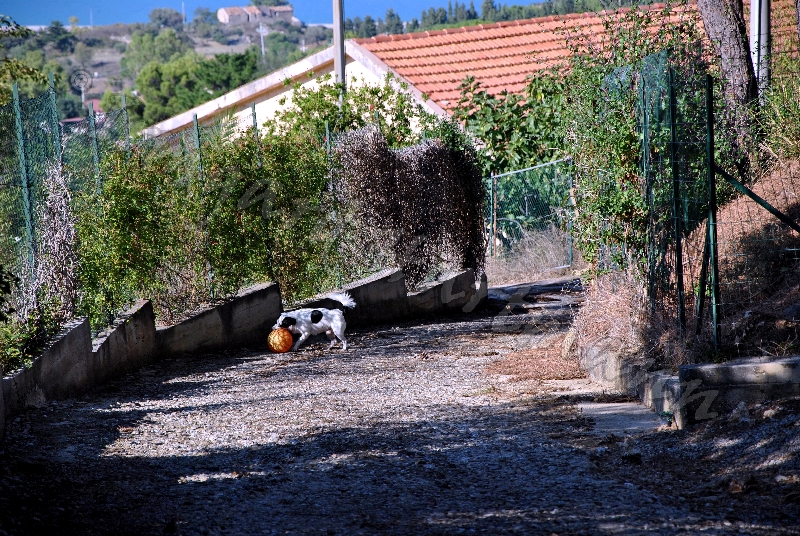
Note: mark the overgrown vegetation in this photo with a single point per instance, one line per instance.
(187, 228)
(162, 61)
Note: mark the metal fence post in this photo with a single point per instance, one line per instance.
(127, 124)
(494, 215)
(676, 198)
(196, 128)
(54, 117)
(23, 175)
(95, 151)
(712, 211)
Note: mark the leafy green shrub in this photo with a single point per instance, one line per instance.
(399, 115)
(165, 230)
(516, 131)
(781, 110)
(599, 124)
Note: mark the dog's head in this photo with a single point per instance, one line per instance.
(285, 321)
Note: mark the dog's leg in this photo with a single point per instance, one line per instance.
(331, 337)
(300, 341)
(338, 330)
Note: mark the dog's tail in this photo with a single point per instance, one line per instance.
(344, 298)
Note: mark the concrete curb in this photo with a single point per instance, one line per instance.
(243, 321)
(699, 392)
(63, 370)
(712, 390)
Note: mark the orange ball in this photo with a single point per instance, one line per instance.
(280, 340)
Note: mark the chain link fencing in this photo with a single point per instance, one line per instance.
(722, 189)
(528, 221)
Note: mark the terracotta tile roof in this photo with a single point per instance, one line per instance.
(499, 55)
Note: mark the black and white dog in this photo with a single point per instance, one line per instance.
(309, 322)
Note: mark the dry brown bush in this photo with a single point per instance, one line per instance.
(540, 254)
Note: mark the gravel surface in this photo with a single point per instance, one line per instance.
(416, 429)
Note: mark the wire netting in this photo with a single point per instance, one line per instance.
(528, 215)
(756, 253)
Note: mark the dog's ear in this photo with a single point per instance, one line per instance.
(316, 316)
(288, 321)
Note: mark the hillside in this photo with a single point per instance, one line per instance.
(204, 56)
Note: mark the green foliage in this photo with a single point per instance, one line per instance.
(145, 47)
(391, 23)
(168, 88)
(361, 28)
(599, 125)
(162, 229)
(780, 114)
(134, 106)
(21, 341)
(517, 131)
(12, 70)
(164, 17)
(130, 234)
(204, 23)
(390, 104)
(6, 280)
(459, 14)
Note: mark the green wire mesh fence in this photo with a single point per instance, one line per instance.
(528, 215)
(721, 237)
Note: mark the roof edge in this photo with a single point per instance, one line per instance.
(241, 94)
(378, 67)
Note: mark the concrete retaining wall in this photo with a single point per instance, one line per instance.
(699, 392)
(714, 390)
(73, 363)
(245, 320)
(127, 346)
(607, 364)
(383, 298)
(63, 370)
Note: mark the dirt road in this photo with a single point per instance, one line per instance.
(430, 427)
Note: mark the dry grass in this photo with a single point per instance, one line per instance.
(539, 255)
(539, 364)
(615, 309)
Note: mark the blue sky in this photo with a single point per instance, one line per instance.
(30, 12)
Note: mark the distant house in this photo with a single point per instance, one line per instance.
(231, 15)
(254, 14)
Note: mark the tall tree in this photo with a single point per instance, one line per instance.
(488, 10)
(165, 17)
(725, 26)
(11, 69)
(393, 24)
(144, 48)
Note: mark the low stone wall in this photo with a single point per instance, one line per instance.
(607, 364)
(383, 298)
(714, 390)
(73, 363)
(245, 320)
(698, 392)
(63, 370)
(128, 345)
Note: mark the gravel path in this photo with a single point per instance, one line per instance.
(405, 433)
